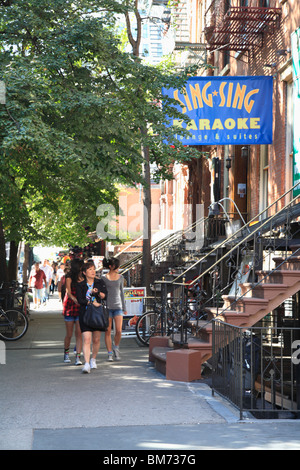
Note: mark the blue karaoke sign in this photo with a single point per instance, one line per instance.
(225, 110)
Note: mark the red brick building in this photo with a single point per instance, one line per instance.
(243, 37)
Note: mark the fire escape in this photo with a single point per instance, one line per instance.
(192, 50)
(239, 25)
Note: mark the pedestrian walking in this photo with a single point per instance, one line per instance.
(48, 273)
(91, 290)
(52, 285)
(116, 306)
(71, 310)
(59, 275)
(37, 280)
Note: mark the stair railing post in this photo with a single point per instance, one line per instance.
(163, 305)
(214, 365)
(183, 313)
(241, 372)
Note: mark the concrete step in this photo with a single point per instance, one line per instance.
(159, 355)
(263, 290)
(185, 363)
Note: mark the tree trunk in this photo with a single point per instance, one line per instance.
(13, 264)
(135, 43)
(146, 220)
(26, 263)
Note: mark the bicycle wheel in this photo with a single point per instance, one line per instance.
(149, 325)
(13, 325)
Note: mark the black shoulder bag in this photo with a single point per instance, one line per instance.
(96, 317)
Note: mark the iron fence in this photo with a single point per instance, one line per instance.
(258, 369)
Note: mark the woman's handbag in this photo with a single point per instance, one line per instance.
(96, 317)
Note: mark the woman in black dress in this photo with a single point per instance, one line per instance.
(92, 290)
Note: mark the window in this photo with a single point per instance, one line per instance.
(264, 3)
(227, 5)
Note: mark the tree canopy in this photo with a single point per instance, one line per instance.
(70, 128)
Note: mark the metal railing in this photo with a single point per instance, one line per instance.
(165, 243)
(261, 223)
(258, 369)
(231, 26)
(265, 234)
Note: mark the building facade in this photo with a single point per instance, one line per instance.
(243, 38)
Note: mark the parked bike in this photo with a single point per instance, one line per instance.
(13, 324)
(173, 319)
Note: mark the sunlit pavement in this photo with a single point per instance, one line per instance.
(127, 405)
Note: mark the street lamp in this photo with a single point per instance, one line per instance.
(228, 163)
(245, 151)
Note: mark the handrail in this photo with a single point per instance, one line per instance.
(234, 236)
(138, 257)
(128, 246)
(259, 282)
(237, 209)
(156, 245)
(166, 241)
(236, 300)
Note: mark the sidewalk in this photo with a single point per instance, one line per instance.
(126, 405)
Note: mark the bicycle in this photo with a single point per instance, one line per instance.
(14, 295)
(175, 319)
(152, 323)
(22, 299)
(13, 324)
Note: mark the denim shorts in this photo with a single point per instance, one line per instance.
(69, 318)
(114, 313)
(38, 293)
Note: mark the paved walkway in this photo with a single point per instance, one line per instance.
(48, 405)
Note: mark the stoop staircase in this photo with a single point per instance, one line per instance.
(170, 256)
(255, 299)
(254, 304)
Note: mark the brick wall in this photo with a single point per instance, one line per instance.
(254, 62)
